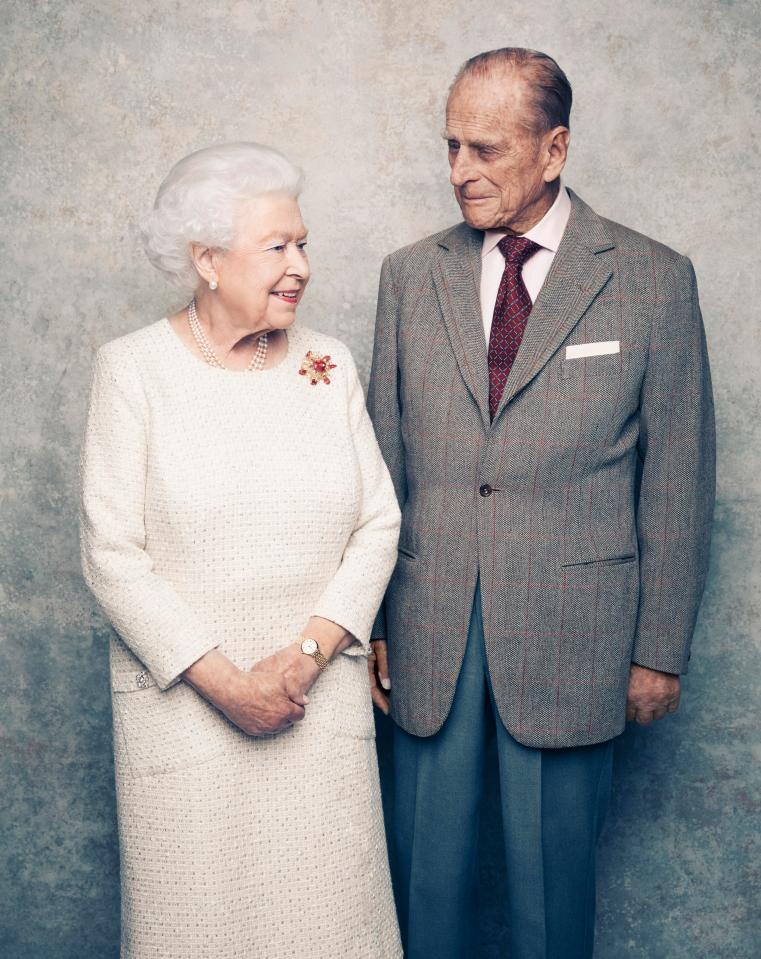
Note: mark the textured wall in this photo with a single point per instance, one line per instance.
(99, 99)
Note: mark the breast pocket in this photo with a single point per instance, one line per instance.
(588, 394)
(588, 368)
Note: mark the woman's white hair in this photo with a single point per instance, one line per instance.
(200, 199)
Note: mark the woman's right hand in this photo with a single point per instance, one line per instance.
(258, 703)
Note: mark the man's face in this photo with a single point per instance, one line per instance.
(497, 165)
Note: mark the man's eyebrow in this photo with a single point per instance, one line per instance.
(475, 144)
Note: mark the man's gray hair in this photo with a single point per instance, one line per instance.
(200, 199)
(551, 92)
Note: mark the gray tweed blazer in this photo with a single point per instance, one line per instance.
(585, 507)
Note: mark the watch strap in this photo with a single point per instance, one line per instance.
(317, 655)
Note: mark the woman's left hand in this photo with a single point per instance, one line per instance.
(298, 670)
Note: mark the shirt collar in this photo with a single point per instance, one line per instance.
(548, 232)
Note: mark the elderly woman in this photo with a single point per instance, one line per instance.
(238, 528)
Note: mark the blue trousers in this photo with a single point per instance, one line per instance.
(553, 803)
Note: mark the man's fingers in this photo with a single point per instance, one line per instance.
(646, 714)
(380, 699)
(378, 696)
(381, 654)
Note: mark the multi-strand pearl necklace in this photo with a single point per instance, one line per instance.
(257, 360)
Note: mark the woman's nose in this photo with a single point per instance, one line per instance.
(298, 264)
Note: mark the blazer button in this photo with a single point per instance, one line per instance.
(486, 490)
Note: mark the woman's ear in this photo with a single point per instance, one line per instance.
(205, 262)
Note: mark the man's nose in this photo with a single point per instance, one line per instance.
(461, 169)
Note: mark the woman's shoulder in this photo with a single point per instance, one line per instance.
(133, 346)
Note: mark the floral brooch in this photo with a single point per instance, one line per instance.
(317, 368)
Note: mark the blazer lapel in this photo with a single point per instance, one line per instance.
(578, 273)
(457, 278)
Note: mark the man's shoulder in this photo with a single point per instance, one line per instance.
(649, 264)
(646, 262)
(430, 247)
(627, 240)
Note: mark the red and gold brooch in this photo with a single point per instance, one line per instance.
(317, 368)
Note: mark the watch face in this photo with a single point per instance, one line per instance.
(309, 646)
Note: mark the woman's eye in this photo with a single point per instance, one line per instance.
(302, 246)
(279, 248)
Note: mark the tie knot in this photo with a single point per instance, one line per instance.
(517, 249)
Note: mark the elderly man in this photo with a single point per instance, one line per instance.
(541, 393)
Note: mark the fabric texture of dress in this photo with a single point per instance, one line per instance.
(222, 510)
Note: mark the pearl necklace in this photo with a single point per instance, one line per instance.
(257, 360)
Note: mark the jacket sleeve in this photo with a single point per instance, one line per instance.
(354, 593)
(152, 619)
(383, 397)
(676, 497)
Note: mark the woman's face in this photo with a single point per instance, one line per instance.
(262, 278)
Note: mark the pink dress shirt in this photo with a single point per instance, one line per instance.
(548, 233)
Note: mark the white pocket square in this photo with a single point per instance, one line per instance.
(592, 349)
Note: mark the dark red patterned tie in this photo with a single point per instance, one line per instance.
(510, 314)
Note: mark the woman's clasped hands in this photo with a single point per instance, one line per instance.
(261, 701)
(272, 695)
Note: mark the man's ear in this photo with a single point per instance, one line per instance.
(556, 143)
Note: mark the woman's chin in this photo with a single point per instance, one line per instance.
(283, 321)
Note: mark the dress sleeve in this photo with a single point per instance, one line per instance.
(353, 595)
(152, 619)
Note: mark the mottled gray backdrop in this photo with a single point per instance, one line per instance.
(99, 99)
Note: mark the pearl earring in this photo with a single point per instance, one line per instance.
(213, 284)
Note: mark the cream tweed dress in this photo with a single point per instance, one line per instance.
(221, 510)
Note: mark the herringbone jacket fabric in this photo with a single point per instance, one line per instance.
(585, 506)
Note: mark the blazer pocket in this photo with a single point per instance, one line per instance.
(608, 561)
(607, 364)
(405, 552)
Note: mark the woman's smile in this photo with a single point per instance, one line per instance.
(287, 296)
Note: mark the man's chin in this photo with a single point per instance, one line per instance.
(477, 222)
(475, 217)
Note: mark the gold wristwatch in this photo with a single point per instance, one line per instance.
(310, 648)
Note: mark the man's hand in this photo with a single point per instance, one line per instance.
(377, 666)
(651, 695)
